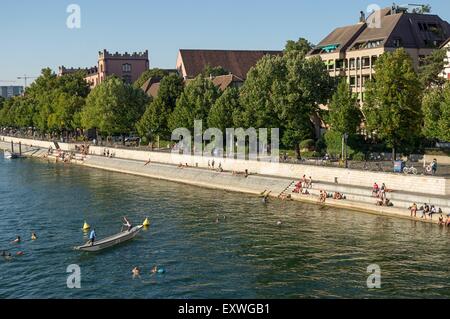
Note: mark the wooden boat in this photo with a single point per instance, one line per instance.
(110, 241)
(9, 155)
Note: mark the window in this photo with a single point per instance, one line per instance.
(366, 62)
(352, 64)
(126, 68)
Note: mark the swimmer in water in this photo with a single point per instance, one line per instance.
(17, 240)
(6, 255)
(136, 272)
(154, 270)
(33, 236)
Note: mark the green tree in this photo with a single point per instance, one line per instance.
(285, 92)
(194, 103)
(154, 122)
(308, 85)
(301, 45)
(260, 94)
(393, 102)
(431, 68)
(344, 115)
(113, 107)
(221, 113)
(152, 73)
(431, 108)
(214, 71)
(444, 121)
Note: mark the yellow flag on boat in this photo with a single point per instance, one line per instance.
(146, 223)
(86, 226)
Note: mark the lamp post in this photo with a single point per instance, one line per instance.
(345, 148)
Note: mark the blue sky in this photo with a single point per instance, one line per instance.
(35, 35)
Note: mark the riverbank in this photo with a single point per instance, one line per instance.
(358, 198)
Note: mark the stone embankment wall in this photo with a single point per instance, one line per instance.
(418, 184)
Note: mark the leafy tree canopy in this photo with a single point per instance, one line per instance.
(210, 71)
(152, 73)
(393, 102)
(113, 107)
(194, 103)
(432, 67)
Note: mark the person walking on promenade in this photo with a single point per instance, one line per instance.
(434, 167)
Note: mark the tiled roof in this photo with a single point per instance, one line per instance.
(235, 62)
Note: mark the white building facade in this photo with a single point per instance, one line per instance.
(446, 72)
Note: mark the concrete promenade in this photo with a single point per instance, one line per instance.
(358, 194)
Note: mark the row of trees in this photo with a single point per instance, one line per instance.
(401, 106)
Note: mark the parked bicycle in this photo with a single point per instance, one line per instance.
(410, 170)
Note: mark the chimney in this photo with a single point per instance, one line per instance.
(362, 18)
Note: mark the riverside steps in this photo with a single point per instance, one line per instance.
(263, 176)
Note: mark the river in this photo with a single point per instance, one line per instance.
(316, 252)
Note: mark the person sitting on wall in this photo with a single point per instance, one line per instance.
(433, 211)
(426, 211)
(323, 196)
(298, 188)
(310, 183)
(441, 220)
(338, 196)
(375, 190)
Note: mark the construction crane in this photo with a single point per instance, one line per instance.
(25, 78)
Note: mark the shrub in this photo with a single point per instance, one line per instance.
(307, 145)
(310, 154)
(359, 157)
(333, 141)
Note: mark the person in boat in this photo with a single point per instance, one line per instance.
(33, 236)
(17, 240)
(127, 224)
(92, 237)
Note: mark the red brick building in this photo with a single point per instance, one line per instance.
(128, 67)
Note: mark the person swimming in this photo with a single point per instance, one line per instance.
(136, 272)
(33, 236)
(154, 270)
(17, 240)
